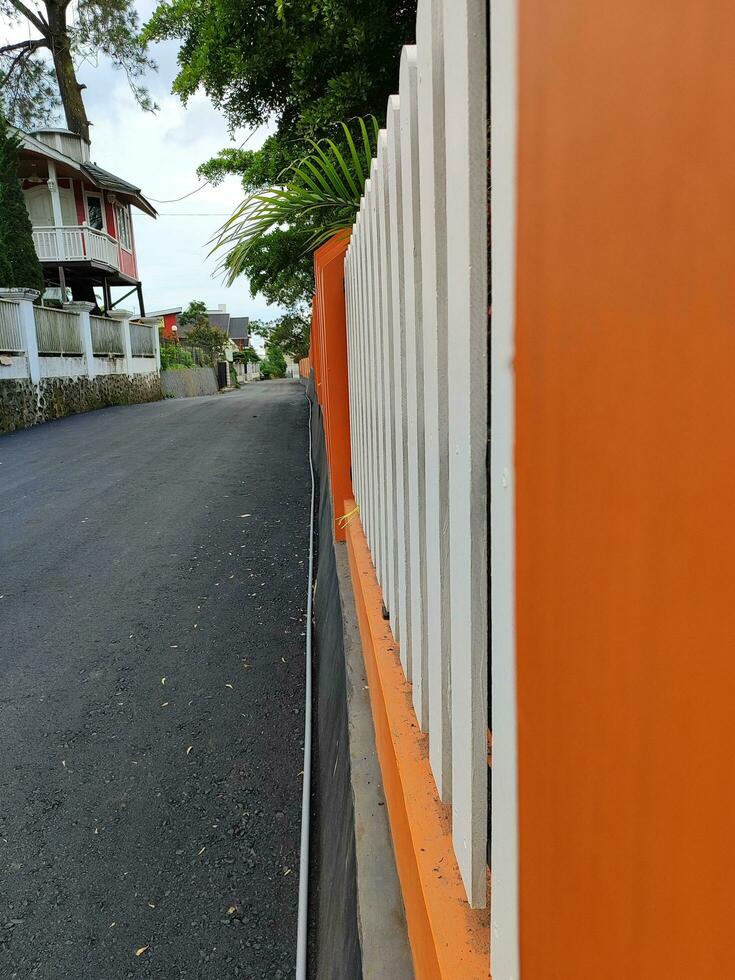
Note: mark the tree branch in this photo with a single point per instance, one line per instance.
(36, 19)
(29, 46)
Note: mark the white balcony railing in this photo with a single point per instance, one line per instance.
(75, 243)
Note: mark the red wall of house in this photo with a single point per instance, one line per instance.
(79, 201)
(169, 319)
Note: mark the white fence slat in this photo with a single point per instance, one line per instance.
(414, 378)
(372, 259)
(368, 367)
(466, 161)
(430, 97)
(386, 371)
(395, 212)
(388, 378)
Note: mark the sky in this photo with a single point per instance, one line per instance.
(160, 153)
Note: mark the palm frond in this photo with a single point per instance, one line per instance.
(321, 191)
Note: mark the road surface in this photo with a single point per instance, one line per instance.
(152, 593)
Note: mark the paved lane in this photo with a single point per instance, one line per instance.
(152, 592)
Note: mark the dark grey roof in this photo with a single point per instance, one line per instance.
(103, 178)
(240, 327)
(221, 320)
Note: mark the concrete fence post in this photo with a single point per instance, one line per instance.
(155, 323)
(82, 309)
(124, 317)
(24, 298)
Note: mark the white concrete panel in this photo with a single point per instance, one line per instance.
(414, 379)
(504, 842)
(388, 379)
(430, 90)
(402, 626)
(466, 161)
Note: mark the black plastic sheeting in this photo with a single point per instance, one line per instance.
(335, 947)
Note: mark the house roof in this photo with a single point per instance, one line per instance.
(218, 319)
(240, 327)
(96, 175)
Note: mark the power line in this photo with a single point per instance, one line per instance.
(175, 200)
(185, 214)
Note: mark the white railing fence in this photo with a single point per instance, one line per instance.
(57, 332)
(43, 341)
(142, 340)
(11, 334)
(416, 288)
(107, 337)
(55, 243)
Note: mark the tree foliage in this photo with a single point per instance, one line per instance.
(247, 355)
(210, 340)
(320, 195)
(288, 333)
(299, 67)
(19, 265)
(195, 314)
(40, 73)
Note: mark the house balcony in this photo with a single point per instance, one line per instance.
(73, 244)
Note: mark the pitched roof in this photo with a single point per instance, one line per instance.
(96, 175)
(240, 327)
(218, 319)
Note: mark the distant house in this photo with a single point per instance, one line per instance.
(81, 216)
(237, 328)
(239, 331)
(170, 322)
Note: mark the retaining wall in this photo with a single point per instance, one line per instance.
(23, 403)
(189, 383)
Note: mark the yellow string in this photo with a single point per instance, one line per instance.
(345, 519)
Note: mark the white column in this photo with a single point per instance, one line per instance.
(24, 298)
(85, 330)
(56, 207)
(124, 317)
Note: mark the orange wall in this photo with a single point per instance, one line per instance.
(625, 404)
(329, 356)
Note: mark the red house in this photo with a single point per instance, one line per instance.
(81, 216)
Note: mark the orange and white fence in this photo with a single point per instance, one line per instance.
(416, 288)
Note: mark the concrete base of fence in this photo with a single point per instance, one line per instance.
(23, 403)
(189, 383)
(357, 903)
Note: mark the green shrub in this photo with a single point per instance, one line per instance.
(175, 358)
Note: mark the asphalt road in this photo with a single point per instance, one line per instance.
(152, 594)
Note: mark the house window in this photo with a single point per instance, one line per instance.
(123, 226)
(95, 217)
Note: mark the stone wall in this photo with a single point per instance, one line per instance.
(189, 383)
(23, 404)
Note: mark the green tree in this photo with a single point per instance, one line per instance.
(19, 265)
(211, 340)
(288, 333)
(38, 73)
(247, 355)
(318, 195)
(296, 65)
(195, 314)
(273, 364)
